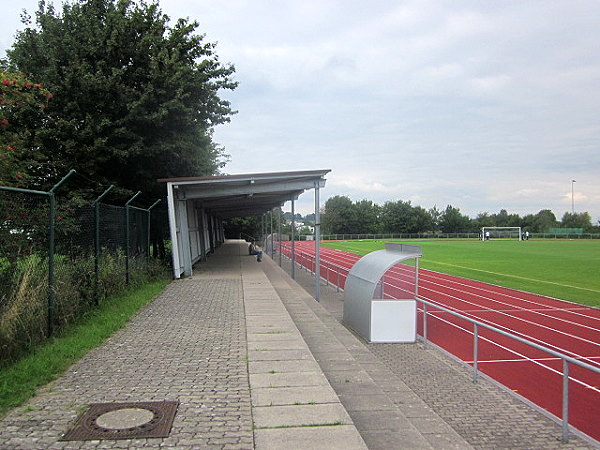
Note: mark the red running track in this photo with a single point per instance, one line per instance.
(562, 326)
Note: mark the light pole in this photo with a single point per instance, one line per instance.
(572, 197)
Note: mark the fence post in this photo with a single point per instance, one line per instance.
(127, 244)
(97, 244)
(51, 250)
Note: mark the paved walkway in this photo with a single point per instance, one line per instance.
(254, 362)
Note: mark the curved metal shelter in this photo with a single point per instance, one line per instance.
(373, 317)
(198, 205)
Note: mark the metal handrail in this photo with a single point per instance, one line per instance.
(565, 358)
(476, 324)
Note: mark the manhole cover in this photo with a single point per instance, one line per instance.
(125, 418)
(123, 421)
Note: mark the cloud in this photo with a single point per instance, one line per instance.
(482, 105)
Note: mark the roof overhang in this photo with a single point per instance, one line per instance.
(245, 194)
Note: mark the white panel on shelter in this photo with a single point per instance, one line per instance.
(393, 321)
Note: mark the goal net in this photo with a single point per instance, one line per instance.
(488, 233)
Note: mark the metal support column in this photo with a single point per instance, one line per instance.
(279, 233)
(293, 269)
(317, 244)
(272, 246)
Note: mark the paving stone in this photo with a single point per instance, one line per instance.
(341, 437)
(301, 395)
(285, 379)
(300, 415)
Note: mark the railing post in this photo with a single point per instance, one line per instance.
(338, 280)
(425, 323)
(565, 402)
(475, 350)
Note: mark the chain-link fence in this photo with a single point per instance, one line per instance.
(60, 258)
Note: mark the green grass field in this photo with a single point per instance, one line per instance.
(569, 270)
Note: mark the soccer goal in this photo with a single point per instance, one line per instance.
(488, 233)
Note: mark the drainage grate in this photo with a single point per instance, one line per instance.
(129, 420)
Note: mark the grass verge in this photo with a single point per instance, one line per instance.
(20, 380)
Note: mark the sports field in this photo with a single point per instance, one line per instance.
(568, 270)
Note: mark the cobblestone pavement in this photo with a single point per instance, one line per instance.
(188, 345)
(485, 415)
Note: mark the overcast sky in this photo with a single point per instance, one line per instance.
(484, 105)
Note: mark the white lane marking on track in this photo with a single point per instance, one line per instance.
(480, 361)
(514, 317)
(514, 352)
(426, 272)
(508, 294)
(546, 343)
(497, 311)
(439, 282)
(517, 276)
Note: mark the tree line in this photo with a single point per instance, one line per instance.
(341, 215)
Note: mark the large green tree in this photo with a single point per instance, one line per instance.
(453, 221)
(577, 220)
(338, 216)
(135, 98)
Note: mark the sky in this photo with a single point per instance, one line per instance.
(482, 105)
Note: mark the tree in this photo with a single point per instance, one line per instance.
(452, 221)
(366, 217)
(544, 220)
(248, 228)
(22, 105)
(436, 216)
(135, 99)
(577, 220)
(422, 221)
(338, 215)
(484, 219)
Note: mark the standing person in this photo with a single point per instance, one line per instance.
(527, 235)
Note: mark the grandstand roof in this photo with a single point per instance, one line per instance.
(245, 194)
